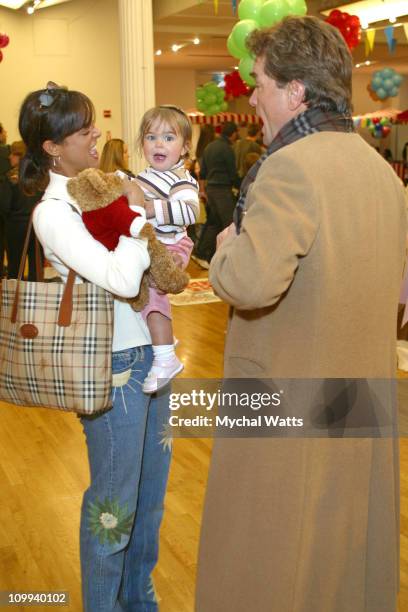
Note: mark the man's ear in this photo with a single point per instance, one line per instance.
(51, 148)
(296, 94)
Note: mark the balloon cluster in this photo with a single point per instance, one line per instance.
(234, 85)
(380, 128)
(254, 14)
(211, 99)
(4, 41)
(385, 84)
(349, 26)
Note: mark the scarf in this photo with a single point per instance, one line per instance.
(309, 122)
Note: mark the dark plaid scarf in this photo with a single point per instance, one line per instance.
(309, 122)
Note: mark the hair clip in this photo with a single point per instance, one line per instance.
(47, 98)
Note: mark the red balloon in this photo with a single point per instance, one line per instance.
(1, 56)
(4, 40)
(385, 130)
(349, 26)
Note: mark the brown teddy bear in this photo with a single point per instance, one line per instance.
(107, 216)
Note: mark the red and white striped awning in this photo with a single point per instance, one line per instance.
(200, 118)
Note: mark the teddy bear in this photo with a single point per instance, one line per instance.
(107, 216)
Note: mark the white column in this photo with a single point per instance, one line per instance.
(137, 70)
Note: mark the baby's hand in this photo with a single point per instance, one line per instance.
(134, 193)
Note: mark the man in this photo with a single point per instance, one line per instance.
(4, 168)
(219, 171)
(245, 146)
(307, 524)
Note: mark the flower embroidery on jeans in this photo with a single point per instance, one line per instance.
(109, 521)
(167, 438)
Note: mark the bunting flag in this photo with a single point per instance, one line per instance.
(370, 37)
(389, 35)
(405, 26)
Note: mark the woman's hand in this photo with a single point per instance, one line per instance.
(134, 193)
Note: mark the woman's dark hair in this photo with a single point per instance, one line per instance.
(207, 135)
(49, 114)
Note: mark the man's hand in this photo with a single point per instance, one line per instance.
(229, 231)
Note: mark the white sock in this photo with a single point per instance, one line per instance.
(163, 352)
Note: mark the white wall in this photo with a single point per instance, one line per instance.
(74, 44)
(176, 87)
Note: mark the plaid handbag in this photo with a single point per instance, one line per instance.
(55, 342)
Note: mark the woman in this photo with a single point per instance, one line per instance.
(123, 506)
(17, 207)
(115, 156)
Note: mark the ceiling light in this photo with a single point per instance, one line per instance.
(158, 52)
(13, 4)
(196, 41)
(30, 10)
(370, 11)
(175, 47)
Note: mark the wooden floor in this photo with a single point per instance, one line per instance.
(43, 472)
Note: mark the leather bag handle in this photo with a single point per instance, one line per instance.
(66, 305)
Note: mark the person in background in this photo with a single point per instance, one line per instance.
(115, 156)
(249, 161)
(218, 169)
(4, 168)
(304, 517)
(123, 505)
(207, 135)
(388, 155)
(17, 208)
(247, 145)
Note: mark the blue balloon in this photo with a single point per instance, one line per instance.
(387, 72)
(397, 79)
(394, 92)
(376, 82)
(388, 84)
(381, 93)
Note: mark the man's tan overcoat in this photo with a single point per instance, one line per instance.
(308, 525)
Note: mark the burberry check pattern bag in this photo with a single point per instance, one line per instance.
(55, 343)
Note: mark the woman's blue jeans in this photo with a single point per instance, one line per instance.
(129, 456)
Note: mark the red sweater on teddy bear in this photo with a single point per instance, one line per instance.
(109, 223)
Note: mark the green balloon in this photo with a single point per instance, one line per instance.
(220, 95)
(246, 66)
(272, 12)
(200, 92)
(240, 32)
(213, 109)
(296, 7)
(211, 85)
(249, 9)
(201, 106)
(233, 49)
(224, 106)
(210, 98)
